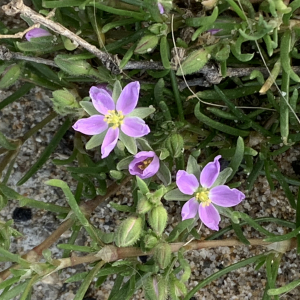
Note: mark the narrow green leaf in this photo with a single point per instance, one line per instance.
(179, 228)
(47, 152)
(23, 90)
(10, 76)
(284, 289)
(142, 112)
(239, 233)
(216, 125)
(164, 174)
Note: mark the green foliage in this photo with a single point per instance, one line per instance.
(205, 91)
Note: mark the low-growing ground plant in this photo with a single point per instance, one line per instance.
(179, 99)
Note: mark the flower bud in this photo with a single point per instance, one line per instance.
(129, 231)
(159, 29)
(65, 102)
(150, 241)
(162, 255)
(175, 145)
(156, 288)
(73, 67)
(143, 206)
(177, 289)
(146, 44)
(35, 33)
(158, 218)
(155, 198)
(144, 165)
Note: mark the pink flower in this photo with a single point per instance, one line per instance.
(145, 164)
(204, 195)
(113, 119)
(36, 32)
(161, 8)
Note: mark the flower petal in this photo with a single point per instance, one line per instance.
(102, 100)
(150, 170)
(36, 32)
(189, 209)
(222, 195)
(187, 183)
(209, 216)
(128, 98)
(210, 173)
(161, 8)
(109, 141)
(135, 127)
(91, 126)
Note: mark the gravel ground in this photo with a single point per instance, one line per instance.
(245, 283)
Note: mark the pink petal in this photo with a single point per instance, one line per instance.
(128, 98)
(209, 216)
(187, 183)
(150, 170)
(91, 126)
(109, 141)
(36, 32)
(102, 100)
(135, 127)
(189, 209)
(161, 8)
(222, 195)
(210, 173)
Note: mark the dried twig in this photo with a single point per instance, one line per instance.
(17, 6)
(5, 54)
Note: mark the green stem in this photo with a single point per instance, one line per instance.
(176, 95)
(39, 126)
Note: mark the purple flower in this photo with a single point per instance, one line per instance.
(113, 118)
(36, 32)
(214, 31)
(145, 164)
(204, 195)
(161, 8)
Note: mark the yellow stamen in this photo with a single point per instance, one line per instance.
(144, 164)
(115, 118)
(203, 198)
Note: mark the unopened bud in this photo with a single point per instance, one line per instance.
(147, 44)
(156, 288)
(177, 289)
(159, 29)
(72, 66)
(158, 218)
(150, 241)
(157, 195)
(129, 231)
(162, 255)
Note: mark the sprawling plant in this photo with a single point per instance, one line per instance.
(172, 87)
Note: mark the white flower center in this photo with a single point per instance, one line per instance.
(115, 118)
(202, 197)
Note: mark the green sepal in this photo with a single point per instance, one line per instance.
(223, 177)
(124, 163)
(89, 107)
(141, 112)
(129, 142)
(95, 141)
(117, 90)
(164, 174)
(193, 167)
(176, 195)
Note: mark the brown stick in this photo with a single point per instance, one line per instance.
(17, 6)
(88, 207)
